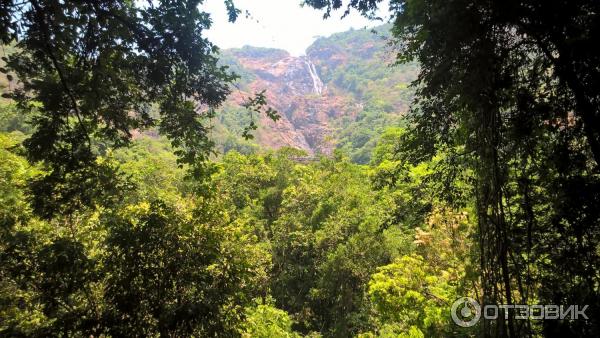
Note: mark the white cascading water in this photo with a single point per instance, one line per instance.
(317, 83)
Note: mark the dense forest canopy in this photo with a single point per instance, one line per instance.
(120, 217)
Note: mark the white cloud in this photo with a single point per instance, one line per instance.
(280, 24)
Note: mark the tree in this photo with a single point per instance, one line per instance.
(409, 295)
(167, 276)
(92, 73)
(513, 83)
(265, 320)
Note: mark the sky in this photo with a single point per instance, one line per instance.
(282, 24)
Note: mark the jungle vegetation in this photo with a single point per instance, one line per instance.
(117, 218)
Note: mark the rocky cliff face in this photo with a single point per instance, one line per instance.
(308, 103)
(293, 87)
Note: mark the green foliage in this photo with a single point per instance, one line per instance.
(164, 260)
(359, 137)
(150, 165)
(112, 97)
(15, 172)
(407, 292)
(506, 91)
(11, 119)
(327, 230)
(99, 239)
(170, 276)
(92, 74)
(529, 102)
(488, 190)
(357, 61)
(326, 243)
(264, 321)
(138, 267)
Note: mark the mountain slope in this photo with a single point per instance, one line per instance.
(340, 95)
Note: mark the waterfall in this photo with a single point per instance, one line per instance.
(317, 83)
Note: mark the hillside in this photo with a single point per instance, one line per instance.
(341, 94)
